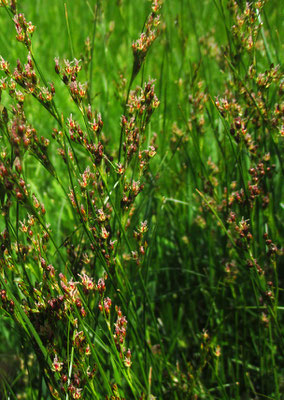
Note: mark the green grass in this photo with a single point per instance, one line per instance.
(201, 287)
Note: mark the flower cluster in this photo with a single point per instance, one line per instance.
(25, 76)
(12, 4)
(69, 74)
(141, 46)
(141, 105)
(24, 29)
(119, 337)
(247, 24)
(6, 304)
(79, 136)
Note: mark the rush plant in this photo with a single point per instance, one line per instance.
(141, 217)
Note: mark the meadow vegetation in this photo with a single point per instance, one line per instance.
(141, 161)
